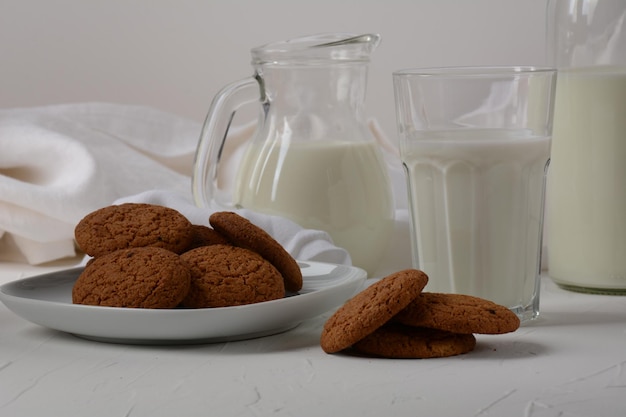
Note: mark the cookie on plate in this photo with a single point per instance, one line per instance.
(241, 232)
(395, 340)
(147, 277)
(370, 309)
(133, 225)
(458, 313)
(205, 236)
(225, 275)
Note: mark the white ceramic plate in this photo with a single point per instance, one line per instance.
(47, 300)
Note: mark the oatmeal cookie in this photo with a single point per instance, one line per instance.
(133, 225)
(243, 233)
(370, 309)
(225, 275)
(458, 313)
(395, 340)
(147, 277)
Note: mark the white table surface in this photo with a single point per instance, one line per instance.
(570, 362)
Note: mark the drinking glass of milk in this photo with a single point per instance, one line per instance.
(586, 197)
(312, 159)
(475, 146)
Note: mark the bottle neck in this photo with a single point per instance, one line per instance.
(586, 33)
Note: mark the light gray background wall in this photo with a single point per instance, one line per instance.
(176, 54)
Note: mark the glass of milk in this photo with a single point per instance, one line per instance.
(475, 146)
(586, 197)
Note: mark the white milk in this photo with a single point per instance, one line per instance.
(586, 210)
(477, 201)
(338, 186)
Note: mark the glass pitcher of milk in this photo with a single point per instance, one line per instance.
(312, 159)
(586, 195)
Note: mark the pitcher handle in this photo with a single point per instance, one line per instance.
(213, 137)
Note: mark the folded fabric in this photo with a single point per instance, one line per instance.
(58, 163)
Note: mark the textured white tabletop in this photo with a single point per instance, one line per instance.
(570, 362)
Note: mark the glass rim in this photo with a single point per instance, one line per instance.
(321, 47)
(474, 71)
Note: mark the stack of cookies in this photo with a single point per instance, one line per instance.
(150, 256)
(393, 318)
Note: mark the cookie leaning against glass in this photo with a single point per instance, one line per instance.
(394, 319)
(458, 313)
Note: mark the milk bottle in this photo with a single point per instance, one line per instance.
(586, 224)
(586, 196)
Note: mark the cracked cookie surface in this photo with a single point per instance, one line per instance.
(458, 313)
(370, 309)
(241, 232)
(133, 225)
(145, 277)
(224, 275)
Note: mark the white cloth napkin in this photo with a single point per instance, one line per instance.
(304, 244)
(58, 163)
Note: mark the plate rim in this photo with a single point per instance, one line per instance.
(348, 282)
